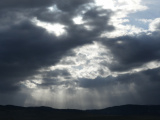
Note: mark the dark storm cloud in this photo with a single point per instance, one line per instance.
(52, 83)
(97, 23)
(26, 48)
(70, 5)
(39, 9)
(64, 9)
(14, 99)
(133, 51)
(136, 88)
(54, 77)
(156, 24)
(57, 73)
(24, 3)
(34, 8)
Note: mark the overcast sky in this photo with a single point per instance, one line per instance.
(81, 54)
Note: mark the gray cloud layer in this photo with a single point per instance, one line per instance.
(132, 51)
(137, 88)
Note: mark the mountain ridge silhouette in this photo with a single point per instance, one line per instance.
(11, 112)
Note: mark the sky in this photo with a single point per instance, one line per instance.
(79, 54)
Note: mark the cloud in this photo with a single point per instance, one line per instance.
(155, 25)
(136, 88)
(67, 5)
(70, 5)
(55, 77)
(7, 4)
(145, 20)
(26, 47)
(133, 51)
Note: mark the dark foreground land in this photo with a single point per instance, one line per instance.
(125, 112)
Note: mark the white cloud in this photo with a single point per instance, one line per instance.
(122, 30)
(120, 19)
(144, 20)
(155, 25)
(121, 5)
(78, 20)
(87, 61)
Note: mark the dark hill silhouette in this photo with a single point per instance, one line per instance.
(125, 112)
(130, 110)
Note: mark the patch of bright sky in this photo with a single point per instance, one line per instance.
(153, 5)
(54, 9)
(55, 28)
(78, 20)
(147, 15)
(107, 4)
